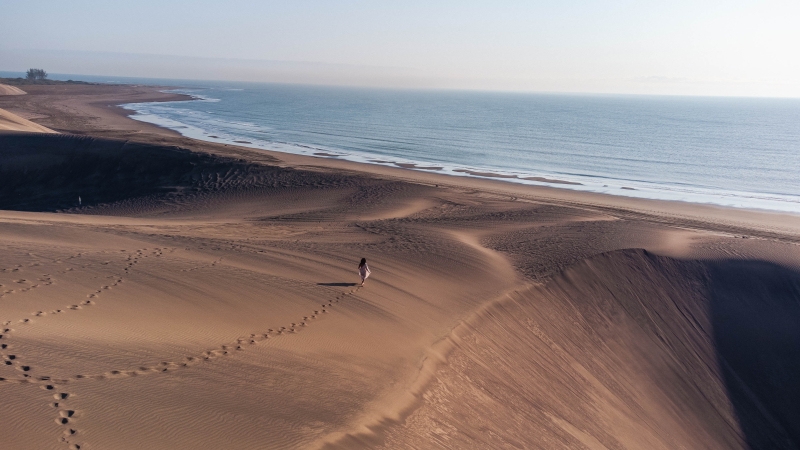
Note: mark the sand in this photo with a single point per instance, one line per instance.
(10, 90)
(204, 296)
(13, 122)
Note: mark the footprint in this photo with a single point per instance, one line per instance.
(187, 362)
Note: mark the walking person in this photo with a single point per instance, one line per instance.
(363, 270)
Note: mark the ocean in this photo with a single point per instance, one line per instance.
(737, 152)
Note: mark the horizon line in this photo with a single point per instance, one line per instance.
(394, 88)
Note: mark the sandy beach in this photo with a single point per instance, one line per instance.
(205, 295)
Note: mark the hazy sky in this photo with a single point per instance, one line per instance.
(659, 47)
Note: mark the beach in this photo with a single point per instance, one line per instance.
(205, 295)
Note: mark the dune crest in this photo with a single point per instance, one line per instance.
(624, 350)
(11, 90)
(13, 122)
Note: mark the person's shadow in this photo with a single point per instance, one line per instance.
(337, 284)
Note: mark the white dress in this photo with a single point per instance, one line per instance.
(364, 272)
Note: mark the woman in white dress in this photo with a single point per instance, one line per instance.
(363, 270)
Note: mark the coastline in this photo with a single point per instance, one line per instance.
(113, 121)
(231, 274)
(193, 122)
(747, 216)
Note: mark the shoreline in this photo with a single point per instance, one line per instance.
(498, 185)
(115, 122)
(622, 187)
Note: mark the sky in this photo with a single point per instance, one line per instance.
(731, 48)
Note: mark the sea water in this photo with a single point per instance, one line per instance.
(739, 152)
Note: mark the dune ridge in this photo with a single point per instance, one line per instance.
(11, 90)
(13, 122)
(654, 351)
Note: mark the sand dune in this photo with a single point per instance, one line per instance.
(624, 350)
(259, 302)
(10, 90)
(205, 296)
(13, 122)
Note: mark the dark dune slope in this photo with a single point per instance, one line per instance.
(626, 350)
(755, 308)
(48, 172)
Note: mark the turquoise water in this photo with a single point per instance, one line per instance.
(727, 151)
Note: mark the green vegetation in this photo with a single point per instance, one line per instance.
(36, 74)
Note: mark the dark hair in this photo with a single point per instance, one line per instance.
(363, 261)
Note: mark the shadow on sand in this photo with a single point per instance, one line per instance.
(755, 311)
(337, 284)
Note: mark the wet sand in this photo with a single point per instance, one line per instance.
(204, 295)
